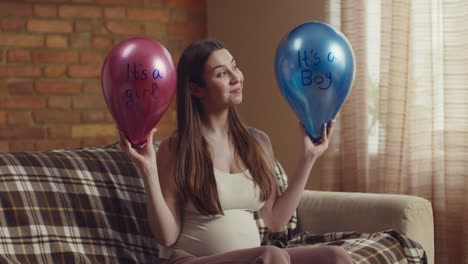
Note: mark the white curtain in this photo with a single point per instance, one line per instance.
(404, 128)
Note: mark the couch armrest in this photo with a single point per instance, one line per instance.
(322, 212)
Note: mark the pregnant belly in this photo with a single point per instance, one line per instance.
(206, 235)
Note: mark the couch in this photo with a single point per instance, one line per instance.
(87, 205)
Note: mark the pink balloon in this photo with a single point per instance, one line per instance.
(138, 83)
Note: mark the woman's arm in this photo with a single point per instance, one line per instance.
(278, 209)
(162, 204)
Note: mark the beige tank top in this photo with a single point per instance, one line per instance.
(208, 235)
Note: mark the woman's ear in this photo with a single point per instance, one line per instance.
(197, 91)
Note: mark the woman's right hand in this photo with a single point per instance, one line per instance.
(144, 157)
(163, 210)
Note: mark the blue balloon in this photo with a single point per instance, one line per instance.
(315, 68)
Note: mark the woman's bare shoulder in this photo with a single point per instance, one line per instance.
(260, 135)
(264, 141)
(167, 152)
(168, 145)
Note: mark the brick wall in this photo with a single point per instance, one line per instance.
(51, 53)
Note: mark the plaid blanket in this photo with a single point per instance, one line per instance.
(73, 206)
(88, 206)
(387, 246)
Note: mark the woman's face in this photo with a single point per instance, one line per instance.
(223, 81)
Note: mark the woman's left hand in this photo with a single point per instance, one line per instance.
(313, 150)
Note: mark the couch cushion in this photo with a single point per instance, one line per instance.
(73, 206)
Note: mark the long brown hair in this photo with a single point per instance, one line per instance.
(194, 174)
